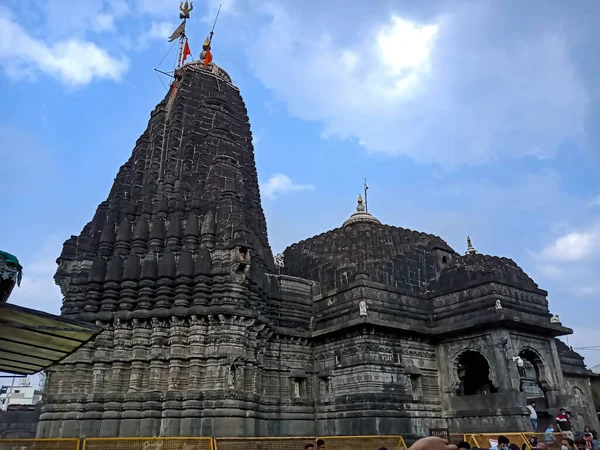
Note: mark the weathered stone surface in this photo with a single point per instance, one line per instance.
(366, 329)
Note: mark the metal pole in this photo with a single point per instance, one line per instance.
(12, 383)
(180, 55)
(366, 201)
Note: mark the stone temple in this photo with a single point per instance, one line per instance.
(365, 329)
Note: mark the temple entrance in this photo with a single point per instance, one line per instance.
(474, 374)
(530, 382)
(531, 376)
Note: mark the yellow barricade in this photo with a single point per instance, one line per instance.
(363, 442)
(39, 444)
(149, 443)
(552, 440)
(482, 440)
(263, 443)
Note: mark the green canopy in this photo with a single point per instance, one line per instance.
(10, 259)
(11, 273)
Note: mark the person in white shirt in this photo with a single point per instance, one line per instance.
(532, 414)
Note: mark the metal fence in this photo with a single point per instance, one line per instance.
(149, 443)
(363, 442)
(263, 443)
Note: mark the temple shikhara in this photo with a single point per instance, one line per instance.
(365, 329)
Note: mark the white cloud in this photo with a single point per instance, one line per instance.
(282, 184)
(574, 246)
(103, 22)
(74, 62)
(38, 290)
(66, 18)
(595, 201)
(588, 290)
(447, 90)
(158, 30)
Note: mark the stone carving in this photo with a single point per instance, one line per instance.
(498, 305)
(362, 306)
(279, 262)
(555, 319)
(231, 377)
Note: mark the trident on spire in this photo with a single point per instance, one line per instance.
(185, 9)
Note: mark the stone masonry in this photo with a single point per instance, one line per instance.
(365, 329)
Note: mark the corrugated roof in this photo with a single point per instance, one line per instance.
(31, 340)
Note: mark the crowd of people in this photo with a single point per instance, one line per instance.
(559, 435)
(588, 440)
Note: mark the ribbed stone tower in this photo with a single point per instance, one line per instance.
(174, 266)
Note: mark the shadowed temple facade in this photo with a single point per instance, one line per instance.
(365, 329)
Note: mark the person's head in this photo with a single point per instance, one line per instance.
(513, 447)
(550, 428)
(382, 448)
(532, 403)
(464, 445)
(309, 446)
(580, 443)
(320, 444)
(587, 429)
(594, 434)
(562, 410)
(503, 441)
(541, 446)
(567, 443)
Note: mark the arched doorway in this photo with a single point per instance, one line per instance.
(474, 374)
(530, 376)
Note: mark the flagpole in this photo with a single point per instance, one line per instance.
(180, 55)
(366, 203)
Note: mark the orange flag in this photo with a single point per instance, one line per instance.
(208, 57)
(186, 51)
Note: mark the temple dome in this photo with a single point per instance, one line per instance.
(391, 255)
(475, 267)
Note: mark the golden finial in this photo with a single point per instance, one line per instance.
(360, 199)
(206, 45)
(185, 9)
(469, 242)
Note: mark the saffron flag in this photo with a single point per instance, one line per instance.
(208, 58)
(186, 50)
(178, 32)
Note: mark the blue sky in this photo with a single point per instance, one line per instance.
(467, 118)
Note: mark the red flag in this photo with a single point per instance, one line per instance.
(208, 58)
(186, 51)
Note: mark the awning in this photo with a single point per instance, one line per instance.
(31, 341)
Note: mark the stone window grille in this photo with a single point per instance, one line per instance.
(396, 357)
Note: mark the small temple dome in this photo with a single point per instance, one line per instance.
(361, 215)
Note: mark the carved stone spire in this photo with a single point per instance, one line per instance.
(470, 249)
(190, 184)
